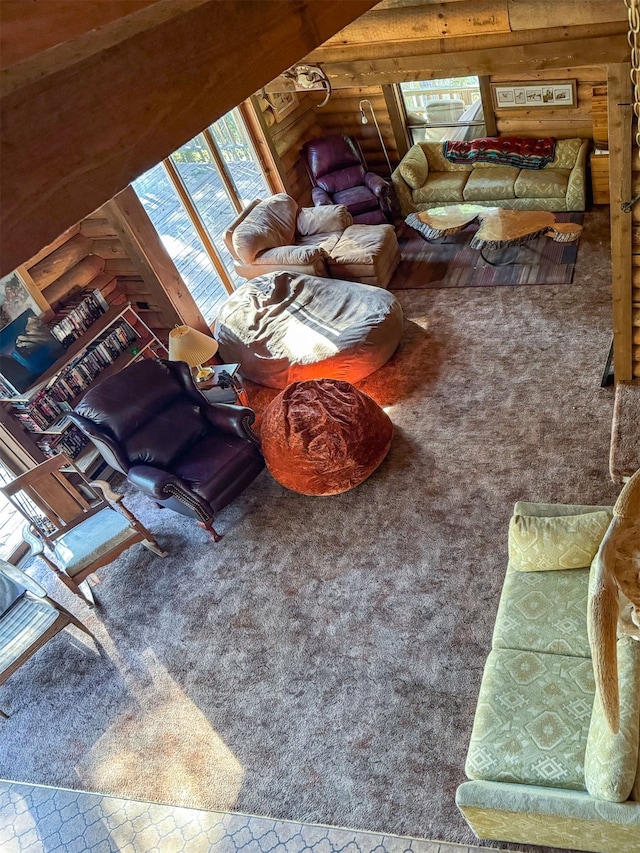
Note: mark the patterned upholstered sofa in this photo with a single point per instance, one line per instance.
(544, 767)
(425, 178)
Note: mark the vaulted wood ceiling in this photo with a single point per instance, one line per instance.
(91, 99)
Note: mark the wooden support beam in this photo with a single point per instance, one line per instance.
(83, 119)
(481, 60)
(145, 248)
(433, 20)
(620, 119)
(427, 49)
(532, 14)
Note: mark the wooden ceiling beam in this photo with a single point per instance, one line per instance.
(82, 119)
(435, 20)
(481, 61)
(327, 56)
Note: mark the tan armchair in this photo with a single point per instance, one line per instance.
(277, 235)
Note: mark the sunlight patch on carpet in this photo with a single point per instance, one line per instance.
(162, 748)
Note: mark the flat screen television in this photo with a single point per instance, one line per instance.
(27, 350)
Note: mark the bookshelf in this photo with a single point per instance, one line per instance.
(104, 343)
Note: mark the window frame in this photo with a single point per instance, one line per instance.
(489, 121)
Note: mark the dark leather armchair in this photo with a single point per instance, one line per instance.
(150, 422)
(339, 175)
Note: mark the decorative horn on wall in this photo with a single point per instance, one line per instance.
(309, 77)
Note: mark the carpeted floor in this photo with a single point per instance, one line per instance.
(451, 262)
(322, 662)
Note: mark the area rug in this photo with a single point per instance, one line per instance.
(451, 262)
(322, 662)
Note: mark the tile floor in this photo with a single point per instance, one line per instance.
(35, 819)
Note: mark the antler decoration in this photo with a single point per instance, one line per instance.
(309, 77)
(616, 583)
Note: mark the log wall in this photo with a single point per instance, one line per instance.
(90, 255)
(549, 121)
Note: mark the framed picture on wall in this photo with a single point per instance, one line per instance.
(282, 103)
(548, 93)
(15, 299)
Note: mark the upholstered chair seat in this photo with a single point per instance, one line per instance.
(91, 540)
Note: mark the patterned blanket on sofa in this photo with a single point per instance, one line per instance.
(505, 150)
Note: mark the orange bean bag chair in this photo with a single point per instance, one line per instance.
(324, 437)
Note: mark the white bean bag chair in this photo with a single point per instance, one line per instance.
(285, 327)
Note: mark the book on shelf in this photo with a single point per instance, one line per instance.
(71, 442)
(40, 411)
(77, 315)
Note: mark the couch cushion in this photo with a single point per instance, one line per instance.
(547, 183)
(438, 162)
(566, 153)
(271, 223)
(366, 252)
(10, 592)
(441, 186)
(544, 544)
(322, 219)
(611, 760)
(491, 183)
(544, 612)
(414, 167)
(91, 539)
(326, 241)
(532, 719)
(286, 256)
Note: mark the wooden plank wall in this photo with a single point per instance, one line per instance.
(561, 123)
(288, 137)
(342, 115)
(91, 256)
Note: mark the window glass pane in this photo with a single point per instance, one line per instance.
(181, 240)
(448, 108)
(238, 153)
(200, 175)
(11, 521)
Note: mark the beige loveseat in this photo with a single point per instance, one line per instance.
(275, 235)
(425, 179)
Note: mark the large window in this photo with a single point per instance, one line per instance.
(448, 108)
(192, 197)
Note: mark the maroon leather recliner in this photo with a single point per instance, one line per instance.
(150, 422)
(339, 175)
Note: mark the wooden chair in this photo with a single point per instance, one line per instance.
(84, 525)
(28, 619)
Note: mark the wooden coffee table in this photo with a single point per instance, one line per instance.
(501, 231)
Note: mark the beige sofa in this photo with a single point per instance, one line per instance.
(425, 179)
(275, 235)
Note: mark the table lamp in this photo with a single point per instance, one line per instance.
(194, 347)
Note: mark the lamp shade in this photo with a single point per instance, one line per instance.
(190, 345)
